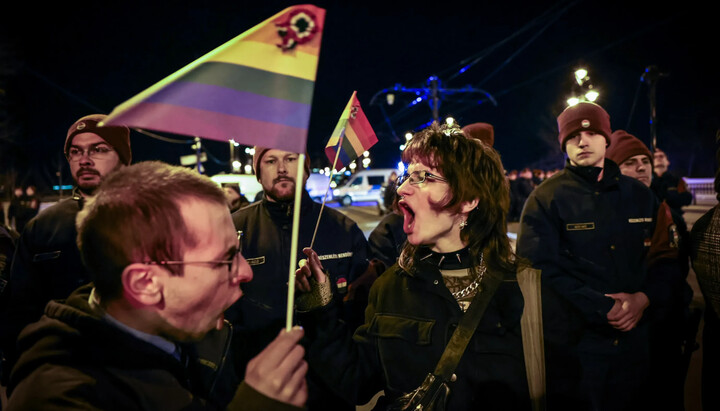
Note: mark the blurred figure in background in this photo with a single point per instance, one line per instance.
(666, 185)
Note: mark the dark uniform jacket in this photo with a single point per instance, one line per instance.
(672, 189)
(46, 266)
(589, 239)
(267, 228)
(73, 359)
(408, 322)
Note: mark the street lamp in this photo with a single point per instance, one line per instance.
(582, 89)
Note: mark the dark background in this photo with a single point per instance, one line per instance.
(66, 60)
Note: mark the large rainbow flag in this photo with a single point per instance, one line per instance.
(256, 89)
(356, 134)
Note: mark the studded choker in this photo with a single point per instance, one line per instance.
(446, 261)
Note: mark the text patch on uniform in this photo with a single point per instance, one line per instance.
(580, 226)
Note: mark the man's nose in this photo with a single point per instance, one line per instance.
(85, 158)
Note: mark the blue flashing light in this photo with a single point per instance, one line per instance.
(64, 187)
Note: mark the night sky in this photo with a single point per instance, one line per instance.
(70, 59)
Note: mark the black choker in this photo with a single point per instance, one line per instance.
(455, 260)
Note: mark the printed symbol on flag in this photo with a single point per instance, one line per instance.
(299, 27)
(353, 112)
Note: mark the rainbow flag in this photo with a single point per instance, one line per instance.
(256, 89)
(355, 132)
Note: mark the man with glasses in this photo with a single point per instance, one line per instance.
(148, 333)
(47, 263)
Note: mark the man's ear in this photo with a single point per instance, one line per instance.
(143, 284)
(468, 206)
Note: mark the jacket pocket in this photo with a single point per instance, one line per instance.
(412, 330)
(52, 255)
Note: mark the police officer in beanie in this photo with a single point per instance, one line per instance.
(267, 228)
(588, 229)
(47, 263)
(668, 258)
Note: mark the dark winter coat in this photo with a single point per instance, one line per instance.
(589, 239)
(46, 266)
(73, 359)
(267, 228)
(409, 321)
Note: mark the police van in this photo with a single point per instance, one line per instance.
(365, 185)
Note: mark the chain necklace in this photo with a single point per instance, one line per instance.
(473, 285)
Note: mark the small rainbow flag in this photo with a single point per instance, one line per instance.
(256, 89)
(356, 133)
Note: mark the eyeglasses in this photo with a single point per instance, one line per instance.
(417, 177)
(96, 152)
(232, 274)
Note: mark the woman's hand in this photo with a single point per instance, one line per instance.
(310, 267)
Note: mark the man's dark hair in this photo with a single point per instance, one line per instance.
(135, 216)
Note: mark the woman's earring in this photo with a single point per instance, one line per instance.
(463, 224)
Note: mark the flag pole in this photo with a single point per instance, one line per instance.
(332, 172)
(294, 241)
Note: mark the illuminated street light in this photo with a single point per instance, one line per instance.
(366, 162)
(572, 101)
(581, 75)
(236, 166)
(366, 154)
(408, 136)
(248, 169)
(449, 121)
(352, 165)
(592, 95)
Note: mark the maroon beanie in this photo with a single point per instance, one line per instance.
(117, 136)
(260, 152)
(481, 131)
(624, 146)
(583, 116)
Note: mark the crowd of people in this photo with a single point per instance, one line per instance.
(154, 288)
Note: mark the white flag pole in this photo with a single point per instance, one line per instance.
(294, 242)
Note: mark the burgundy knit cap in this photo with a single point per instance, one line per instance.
(260, 152)
(118, 137)
(583, 116)
(481, 131)
(624, 146)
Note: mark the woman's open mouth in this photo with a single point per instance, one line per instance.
(408, 217)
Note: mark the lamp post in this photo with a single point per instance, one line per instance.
(651, 76)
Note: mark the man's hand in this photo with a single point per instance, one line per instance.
(628, 310)
(279, 370)
(312, 267)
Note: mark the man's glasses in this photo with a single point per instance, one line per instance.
(96, 152)
(417, 177)
(232, 275)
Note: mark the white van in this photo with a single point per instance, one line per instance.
(365, 185)
(249, 185)
(316, 185)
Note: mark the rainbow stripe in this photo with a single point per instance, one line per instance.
(251, 89)
(356, 133)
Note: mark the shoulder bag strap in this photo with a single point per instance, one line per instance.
(466, 328)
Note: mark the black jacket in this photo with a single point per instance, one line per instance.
(589, 239)
(261, 313)
(408, 322)
(73, 359)
(672, 189)
(46, 266)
